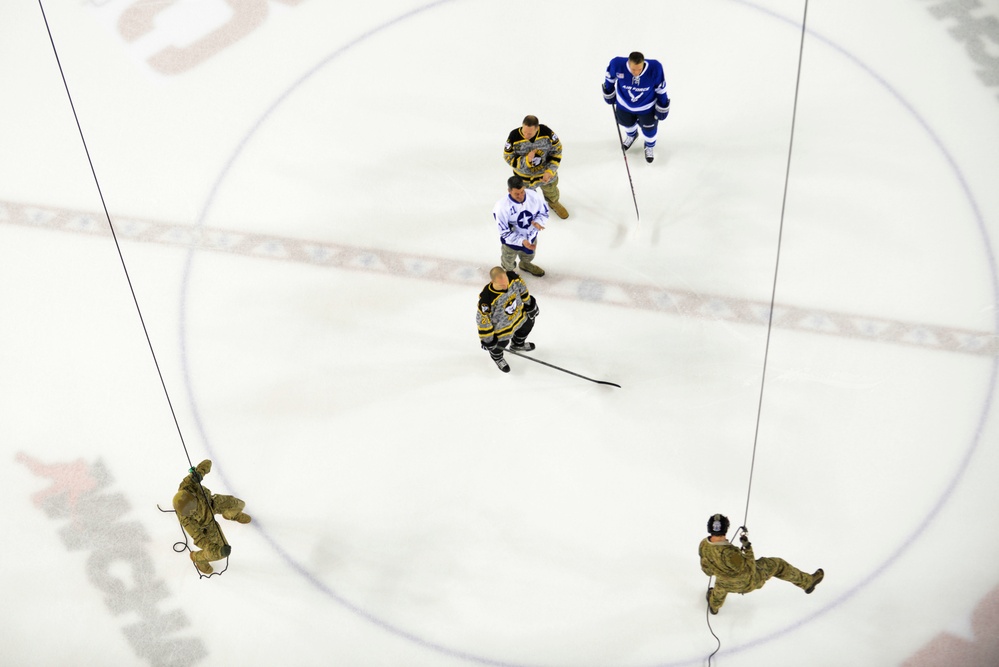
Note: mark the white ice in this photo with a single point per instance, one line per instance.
(303, 208)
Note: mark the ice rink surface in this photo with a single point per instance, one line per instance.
(301, 191)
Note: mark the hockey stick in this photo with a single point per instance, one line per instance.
(620, 139)
(559, 368)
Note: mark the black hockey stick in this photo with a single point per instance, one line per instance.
(620, 138)
(559, 368)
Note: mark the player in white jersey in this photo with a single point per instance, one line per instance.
(637, 88)
(519, 216)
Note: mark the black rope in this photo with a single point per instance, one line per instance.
(182, 545)
(780, 234)
(121, 257)
(707, 618)
(773, 299)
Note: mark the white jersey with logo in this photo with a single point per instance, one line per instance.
(513, 219)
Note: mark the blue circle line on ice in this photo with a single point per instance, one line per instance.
(887, 563)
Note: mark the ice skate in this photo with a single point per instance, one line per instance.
(502, 365)
(629, 139)
(522, 347)
(649, 155)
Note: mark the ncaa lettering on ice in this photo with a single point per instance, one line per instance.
(118, 563)
(301, 257)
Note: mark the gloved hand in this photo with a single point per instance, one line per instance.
(744, 538)
(489, 344)
(533, 309)
(661, 112)
(198, 474)
(610, 96)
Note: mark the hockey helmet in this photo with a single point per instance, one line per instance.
(185, 503)
(718, 525)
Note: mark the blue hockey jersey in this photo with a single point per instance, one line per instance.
(636, 94)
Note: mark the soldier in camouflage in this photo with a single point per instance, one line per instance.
(738, 571)
(196, 508)
(534, 152)
(505, 315)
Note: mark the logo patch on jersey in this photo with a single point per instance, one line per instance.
(524, 219)
(507, 146)
(554, 137)
(484, 308)
(620, 75)
(634, 98)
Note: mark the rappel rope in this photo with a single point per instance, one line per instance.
(182, 545)
(773, 297)
(124, 267)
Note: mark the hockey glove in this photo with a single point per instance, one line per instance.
(661, 112)
(533, 310)
(610, 95)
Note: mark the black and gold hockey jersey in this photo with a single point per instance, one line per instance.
(547, 157)
(500, 314)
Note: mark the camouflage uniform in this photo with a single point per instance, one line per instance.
(737, 571)
(201, 525)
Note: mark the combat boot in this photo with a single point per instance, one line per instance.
(817, 576)
(560, 210)
(712, 609)
(203, 566)
(533, 269)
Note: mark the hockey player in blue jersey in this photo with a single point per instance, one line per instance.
(638, 89)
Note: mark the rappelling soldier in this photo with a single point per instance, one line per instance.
(736, 570)
(196, 508)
